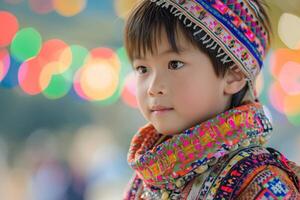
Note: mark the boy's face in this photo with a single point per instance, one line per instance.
(185, 82)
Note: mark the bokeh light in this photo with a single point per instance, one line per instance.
(68, 78)
(62, 70)
(29, 76)
(284, 93)
(59, 86)
(126, 66)
(78, 59)
(283, 102)
(280, 57)
(56, 50)
(122, 7)
(287, 22)
(4, 63)
(11, 78)
(69, 8)
(26, 44)
(41, 6)
(13, 2)
(113, 98)
(290, 82)
(292, 104)
(107, 54)
(58, 59)
(129, 91)
(9, 26)
(48, 70)
(260, 84)
(88, 147)
(294, 119)
(77, 87)
(99, 80)
(79, 54)
(276, 97)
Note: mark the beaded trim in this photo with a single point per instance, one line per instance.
(174, 162)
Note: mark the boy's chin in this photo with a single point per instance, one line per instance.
(167, 131)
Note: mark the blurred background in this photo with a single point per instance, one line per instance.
(67, 96)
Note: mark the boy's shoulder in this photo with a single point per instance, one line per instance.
(251, 171)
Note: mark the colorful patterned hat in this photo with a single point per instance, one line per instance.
(232, 28)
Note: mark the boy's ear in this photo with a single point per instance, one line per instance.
(234, 80)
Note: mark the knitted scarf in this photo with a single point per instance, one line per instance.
(191, 152)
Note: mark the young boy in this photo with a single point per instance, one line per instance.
(196, 62)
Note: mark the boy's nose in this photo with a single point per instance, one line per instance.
(156, 86)
(155, 93)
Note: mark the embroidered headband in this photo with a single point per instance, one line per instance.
(233, 28)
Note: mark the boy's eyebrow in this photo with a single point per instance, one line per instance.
(167, 51)
(179, 50)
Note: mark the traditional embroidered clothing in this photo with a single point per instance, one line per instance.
(221, 158)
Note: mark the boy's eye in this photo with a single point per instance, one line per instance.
(141, 69)
(175, 64)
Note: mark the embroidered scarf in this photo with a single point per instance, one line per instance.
(195, 149)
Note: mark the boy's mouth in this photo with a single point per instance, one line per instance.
(160, 109)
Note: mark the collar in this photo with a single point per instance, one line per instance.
(195, 149)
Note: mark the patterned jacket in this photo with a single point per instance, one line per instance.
(254, 172)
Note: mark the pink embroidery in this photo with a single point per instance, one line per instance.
(250, 34)
(201, 132)
(198, 147)
(191, 156)
(169, 152)
(222, 8)
(185, 143)
(229, 133)
(181, 156)
(159, 178)
(237, 21)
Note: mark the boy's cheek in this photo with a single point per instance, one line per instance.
(142, 104)
(190, 97)
(194, 105)
(141, 90)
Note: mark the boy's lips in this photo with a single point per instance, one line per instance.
(159, 108)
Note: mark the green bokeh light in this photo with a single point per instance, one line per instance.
(26, 44)
(268, 79)
(59, 85)
(294, 119)
(126, 67)
(79, 55)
